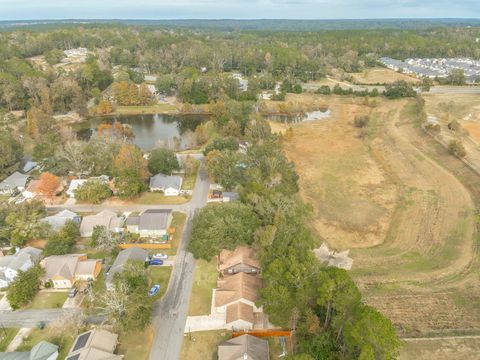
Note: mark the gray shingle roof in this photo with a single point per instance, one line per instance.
(14, 181)
(135, 254)
(161, 181)
(154, 219)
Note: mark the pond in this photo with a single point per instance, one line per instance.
(150, 131)
(320, 114)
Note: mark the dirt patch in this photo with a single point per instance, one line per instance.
(381, 76)
(473, 129)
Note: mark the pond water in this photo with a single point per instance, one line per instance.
(307, 116)
(150, 131)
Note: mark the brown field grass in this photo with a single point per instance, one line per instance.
(394, 198)
(466, 348)
(381, 76)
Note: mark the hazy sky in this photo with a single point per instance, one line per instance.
(239, 9)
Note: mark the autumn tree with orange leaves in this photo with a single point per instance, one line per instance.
(48, 184)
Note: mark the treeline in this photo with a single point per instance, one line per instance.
(321, 303)
(191, 63)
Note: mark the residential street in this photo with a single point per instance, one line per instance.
(30, 318)
(170, 313)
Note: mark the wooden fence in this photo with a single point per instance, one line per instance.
(146, 246)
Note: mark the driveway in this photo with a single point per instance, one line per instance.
(4, 304)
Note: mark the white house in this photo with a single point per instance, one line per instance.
(105, 218)
(23, 260)
(170, 185)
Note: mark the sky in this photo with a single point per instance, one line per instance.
(236, 9)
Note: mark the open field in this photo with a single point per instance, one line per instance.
(202, 345)
(381, 76)
(466, 348)
(402, 204)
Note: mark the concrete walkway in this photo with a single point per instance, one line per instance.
(205, 323)
(18, 339)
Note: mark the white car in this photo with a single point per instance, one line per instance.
(160, 256)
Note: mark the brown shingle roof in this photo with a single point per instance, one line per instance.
(241, 255)
(236, 287)
(237, 348)
(240, 311)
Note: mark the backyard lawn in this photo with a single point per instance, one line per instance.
(63, 340)
(6, 337)
(154, 198)
(202, 345)
(47, 300)
(136, 345)
(204, 280)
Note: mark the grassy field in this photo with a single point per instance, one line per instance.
(155, 198)
(445, 349)
(136, 344)
(204, 280)
(62, 340)
(202, 345)
(6, 337)
(404, 209)
(381, 76)
(153, 109)
(47, 300)
(159, 275)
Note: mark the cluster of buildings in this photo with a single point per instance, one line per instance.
(27, 188)
(435, 68)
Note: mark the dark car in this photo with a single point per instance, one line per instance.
(155, 262)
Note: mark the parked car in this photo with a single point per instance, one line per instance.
(160, 256)
(154, 290)
(154, 262)
(73, 292)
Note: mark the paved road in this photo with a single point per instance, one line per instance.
(30, 318)
(170, 313)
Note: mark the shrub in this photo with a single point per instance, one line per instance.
(361, 121)
(94, 191)
(455, 147)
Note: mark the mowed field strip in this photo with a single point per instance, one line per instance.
(409, 222)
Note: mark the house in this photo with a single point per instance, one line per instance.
(65, 270)
(23, 260)
(242, 259)
(124, 256)
(150, 78)
(58, 220)
(235, 296)
(13, 183)
(150, 223)
(105, 218)
(74, 185)
(94, 344)
(42, 351)
(245, 347)
(169, 184)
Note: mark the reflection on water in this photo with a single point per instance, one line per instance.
(307, 116)
(150, 130)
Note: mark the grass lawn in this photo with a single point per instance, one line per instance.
(64, 341)
(47, 300)
(189, 181)
(152, 109)
(6, 337)
(204, 280)
(136, 345)
(202, 345)
(159, 275)
(153, 198)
